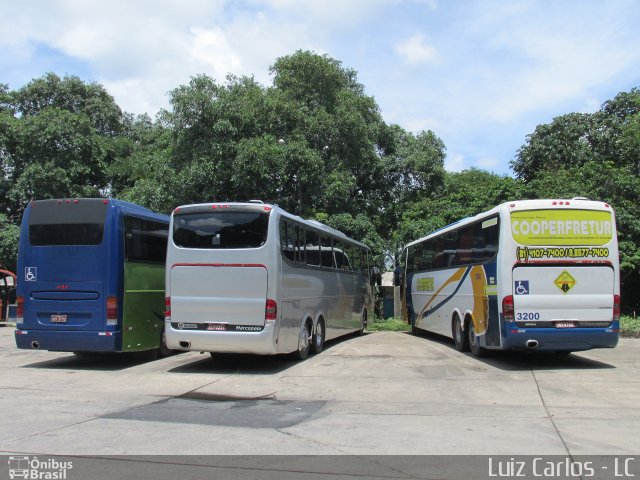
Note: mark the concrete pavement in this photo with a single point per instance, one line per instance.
(377, 394)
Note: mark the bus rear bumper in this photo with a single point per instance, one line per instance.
(261, 343)
(68, 341)
(556, 339)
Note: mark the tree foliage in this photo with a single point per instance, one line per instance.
(57, 139)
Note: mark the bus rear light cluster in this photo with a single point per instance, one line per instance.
(271, 310)
(112, 311)
(167, 308)
(616, 308)
(19, 310)
(507, 309)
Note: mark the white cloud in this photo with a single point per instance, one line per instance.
(495, 68)
(487, 163)
(415, 50)
(455, 163)
(210, 48)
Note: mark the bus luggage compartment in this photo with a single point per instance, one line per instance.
(226, 295)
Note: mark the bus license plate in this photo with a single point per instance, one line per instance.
(216, 327)
(565, 324)
(58, 319)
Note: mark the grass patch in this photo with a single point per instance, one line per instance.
(629, 327)
(389, 325)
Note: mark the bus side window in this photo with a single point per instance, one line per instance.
(287, 240)
(312, 247)
(326, 252)
(463, 247)
(440, 257)
(342, 252)
(145, 240)
(298, 245)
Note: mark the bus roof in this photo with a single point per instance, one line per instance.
(577, 203)
(124, 206)
(254, 205)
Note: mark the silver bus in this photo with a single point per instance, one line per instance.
(252, 278)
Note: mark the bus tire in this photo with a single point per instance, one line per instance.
(163, 350)
(460, 339)
(363, 322)
(414, 330)
(304, 341)
(476, 350)
(318, 337)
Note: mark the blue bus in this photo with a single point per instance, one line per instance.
(91, 277)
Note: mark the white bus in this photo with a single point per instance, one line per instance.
(527, 275)
(252, 278)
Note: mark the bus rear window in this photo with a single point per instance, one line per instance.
(54, 223)
(221, 229)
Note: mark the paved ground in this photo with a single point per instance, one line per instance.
(377, 394)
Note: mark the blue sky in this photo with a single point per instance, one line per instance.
(480, 74)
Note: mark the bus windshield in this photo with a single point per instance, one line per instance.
(51, 225)
(220, 229)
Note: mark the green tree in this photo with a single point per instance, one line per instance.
(313, 142)
(58, 137)
(574, 139)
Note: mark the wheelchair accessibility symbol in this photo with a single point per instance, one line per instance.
(30, 274)
(522, 287)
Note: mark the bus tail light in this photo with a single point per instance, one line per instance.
(616, 308)
(112, 311)
(271, 310)
(19, 310)
(167, 308)
(507, 308)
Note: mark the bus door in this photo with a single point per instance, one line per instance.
(143, 289)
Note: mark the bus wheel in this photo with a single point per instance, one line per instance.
(163, 350)
(414, 330)
(475, 348)
(318, 337)
(304, 342)
(363, 322)
(460, 339)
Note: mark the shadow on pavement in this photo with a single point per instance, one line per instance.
(516, 361)
(97, 361)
